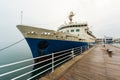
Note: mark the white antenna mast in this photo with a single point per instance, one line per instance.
(21, 16)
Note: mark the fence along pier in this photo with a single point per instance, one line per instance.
(44, 66)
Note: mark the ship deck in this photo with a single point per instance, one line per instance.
(95, 64)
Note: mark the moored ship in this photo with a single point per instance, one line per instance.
(43, 41)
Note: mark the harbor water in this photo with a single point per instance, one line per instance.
(14, 53)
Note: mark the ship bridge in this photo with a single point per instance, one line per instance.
(72, 25)
(79, 29)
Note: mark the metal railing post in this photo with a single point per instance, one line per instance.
(72, 53)
(52, 62)
(88, 46)
(81, 49)
(85, 48)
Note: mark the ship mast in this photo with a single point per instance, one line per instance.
(21, 16)
(70, 17)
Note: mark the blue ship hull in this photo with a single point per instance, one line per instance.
(41, 47)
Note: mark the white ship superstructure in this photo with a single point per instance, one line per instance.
(78, 29)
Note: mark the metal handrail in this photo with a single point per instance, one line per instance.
(68, 54)
(62, 51)
(62, 61)
(39, 73)
(10, 64)
(30, 72)
(23, 68)
(77, 48)
(76, 51)
(62, 55)
(62, 58)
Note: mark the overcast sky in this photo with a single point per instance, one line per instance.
(102, 15)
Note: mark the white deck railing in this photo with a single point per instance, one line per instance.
(50, 62)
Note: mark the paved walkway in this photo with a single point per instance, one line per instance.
(96, 65)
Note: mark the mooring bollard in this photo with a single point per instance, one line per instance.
(109, 52)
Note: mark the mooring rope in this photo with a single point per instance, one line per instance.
(11, 45)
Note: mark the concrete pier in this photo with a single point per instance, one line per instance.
(95, 64)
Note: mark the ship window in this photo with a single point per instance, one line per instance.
(85, 25)
(77, 30)
(72, 30)
(78, 25)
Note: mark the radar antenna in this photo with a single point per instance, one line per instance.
(70, 17)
